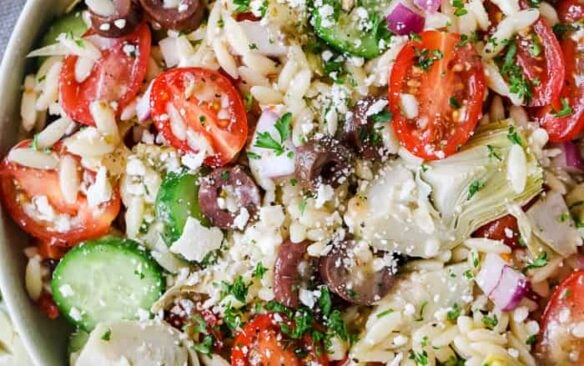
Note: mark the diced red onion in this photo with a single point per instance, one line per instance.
(402, 20)
(505, 286)
(570, 159)
(490, 273)
(428, 5)
(512, 288)
(143, 105)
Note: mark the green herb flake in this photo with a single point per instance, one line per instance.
(454, 312)
(493, 153)
(324, 301)
(253, 156)
(421, 313)
(206, 346)
(241, 6)
(238, 289)
(539, 262)
(565, 111)
(259, 271)
(248, 101)
(531, 340)
(384, 116)
(514, 137)
(454, 103)
(474, 187)
(490, 322)
(107, 335)
(420, 358)
(384, 313)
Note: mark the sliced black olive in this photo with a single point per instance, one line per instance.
(322, 161)
(355, 282)
(186, 18)
(228, 183)
(126, 18)
(362, 131)
(293, 268)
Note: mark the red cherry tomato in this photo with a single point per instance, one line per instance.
(504, 229)
(448, 82)
(47, 305)
(261, 342)
(564, 312)
(563, 119)
(539, 55)
(570, 11)
(19, 185)
(116, 77)
(190, 104)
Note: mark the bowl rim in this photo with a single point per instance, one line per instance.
(42, 338)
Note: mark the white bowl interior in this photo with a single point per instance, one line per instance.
(45, 340)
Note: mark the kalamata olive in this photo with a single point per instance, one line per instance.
(292, 268)
(186, 17)
(345, 273)
(362, 131)
(225, 193)
(322, 161)
(125, 19)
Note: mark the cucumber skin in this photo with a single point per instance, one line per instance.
(111, 243)
(72, 22)
(177, 199)
(342, 39)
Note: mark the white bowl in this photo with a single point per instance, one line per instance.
(45, 340)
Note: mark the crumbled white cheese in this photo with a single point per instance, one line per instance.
(307, 297)
(241, 219)
(409, 105)
(100, 191)
(197, 241)
(324, 194)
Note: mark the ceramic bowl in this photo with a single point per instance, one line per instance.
(45, 340)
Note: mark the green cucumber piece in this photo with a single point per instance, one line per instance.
(344, 34)
(77, 341)
(177, 199)
(71, 23)
(106, 279)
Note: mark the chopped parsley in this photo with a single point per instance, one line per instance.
(107, 335)
(475, 259)
(420, 358)
(265, 140)
(490, 322)
(421, 314)
(384, 313)
(248, 101)
(565, 111)
(493, 153)
(302, 205)
(253, 156)
(455, 104)
(382, 117)
(459, 8)
(264, 8)
(474, 187)
(518, 84)
(425, 58)
(232, 317)
(241, 6)
(514, 137)
(454, 312)
(539, 262)
(259, 271)
(324, 301)
(238, 289)
(205, 347)
(337, 326)
(531, 339)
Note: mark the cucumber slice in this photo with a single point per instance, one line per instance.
(177, 199)
(72, 22)
(342, 31)
(105, 280)
(77, 341)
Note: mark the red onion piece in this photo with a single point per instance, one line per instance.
(505, 286)
(402, 20)
(428, 5)
(490, 273)
(512, 288)
(570, 159)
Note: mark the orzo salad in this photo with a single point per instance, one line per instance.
(307, 182)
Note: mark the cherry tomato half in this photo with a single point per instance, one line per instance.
(116, 77)
(564, 312)
(539, 55)
(570, 11)
(19, 185)
(190, 105)
(261, 342)
(447, 80)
